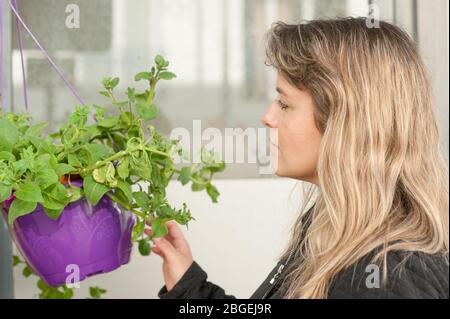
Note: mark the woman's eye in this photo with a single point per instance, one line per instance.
(282, 105)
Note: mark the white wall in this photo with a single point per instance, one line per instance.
(433, 31)
(236, 241)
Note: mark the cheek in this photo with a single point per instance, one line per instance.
(299, 144)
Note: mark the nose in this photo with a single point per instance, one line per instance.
(269, 119)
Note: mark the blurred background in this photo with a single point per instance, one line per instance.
(216, 48)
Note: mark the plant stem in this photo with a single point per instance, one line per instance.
(129, 109)
(103, 135)
(125, 206)
(157, 152)
(119, 155)
(196, 181)
(112, 96)
(153, 82)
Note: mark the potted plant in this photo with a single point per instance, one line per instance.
(83, 194)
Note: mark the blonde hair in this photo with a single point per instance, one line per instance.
(382, 174)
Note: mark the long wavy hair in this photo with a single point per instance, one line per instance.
(382, 173)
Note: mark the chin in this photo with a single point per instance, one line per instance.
(281, 173)
(294, 175)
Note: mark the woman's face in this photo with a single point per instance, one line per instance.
(294, 137)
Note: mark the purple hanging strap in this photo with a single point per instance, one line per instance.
(2, 89)
(20, 41)
(52, 63)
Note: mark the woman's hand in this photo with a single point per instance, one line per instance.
(175, 251)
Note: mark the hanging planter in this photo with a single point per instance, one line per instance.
(82, 194)
(85, 240)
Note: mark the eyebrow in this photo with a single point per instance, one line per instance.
(279, 90)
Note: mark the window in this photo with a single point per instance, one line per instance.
(216, 47)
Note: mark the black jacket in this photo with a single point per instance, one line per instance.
(420, 276)
(423, 276)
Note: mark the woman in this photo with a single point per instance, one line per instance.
(354, 117)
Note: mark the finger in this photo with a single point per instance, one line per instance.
(156, 250)
(165, 247)
(148, 232)
(174, 231)
(175, 235)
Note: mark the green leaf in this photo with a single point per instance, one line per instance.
(110, 172)
(63, 169)
(114, 82)
(160, 62)
(143, 76)
(29, 192)
(105, 93)
(105, 174)
(53, 213)
(52, 203)
(36, 141)
(99, 174)
(126, 189)
(167, 75)
(36, 129)
(185, 175)
(93, 190)
(9, 135)
(55, 200)
(98, 151)
(142, 200)
(5, 192)
(99, 111)
(46, 177)
(41, 285)
(144, 247)
(159, 228)
(147, 112)
(7, 156)
(41, 162)
(212, 192)
(123, 168)
(195, 187)
(96, 292)
(27, 271)
(79, 116)
(120, 103)
(16, 260)
(138, 230)
(74, 193)
(110, 83)
(119, 140)
(58, 192)
(47, 146)
(68, 293)
(108, 122)
(141, 166)
(21, 166)
(73, 160)
(126, 118)
(130, 94)
(20, 208)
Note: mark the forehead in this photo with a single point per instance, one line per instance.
(285, 87)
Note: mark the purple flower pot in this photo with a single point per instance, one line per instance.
(90, 239)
